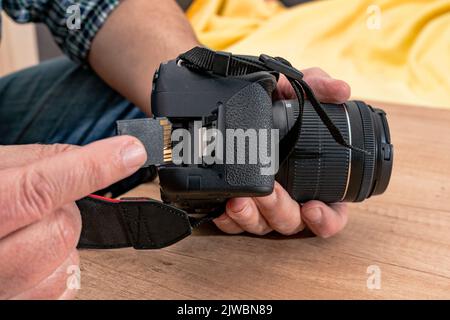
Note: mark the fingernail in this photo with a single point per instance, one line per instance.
(238, 204)
(313, 215)
(134, 155)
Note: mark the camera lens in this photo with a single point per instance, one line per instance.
(319, 168)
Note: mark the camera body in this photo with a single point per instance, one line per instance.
(327, 152)
(216, 134)
(195, 101)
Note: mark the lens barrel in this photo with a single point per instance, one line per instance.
(319, 168)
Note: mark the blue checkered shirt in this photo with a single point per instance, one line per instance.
(73, 23)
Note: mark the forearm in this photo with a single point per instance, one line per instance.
(137, 36)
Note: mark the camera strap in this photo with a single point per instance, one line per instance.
(141, 223)
(226, 64)
(144, 223)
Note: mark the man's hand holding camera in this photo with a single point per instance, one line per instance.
(279, 211)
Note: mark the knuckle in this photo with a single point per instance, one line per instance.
(313, 71)
(230, 229)
(289, 229)
(238, 216)
(243, 214)
(59, 148)
(261, 229)
(271, 201)
(290, 225)
(53, 149)
(36, 193)
(227, 225)
(259, 226)
(92, 172)
(223, 220)
(97, 173)
(285, 228)
(233, 231)
(339, 88)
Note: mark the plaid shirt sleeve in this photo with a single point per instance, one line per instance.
(73, 23)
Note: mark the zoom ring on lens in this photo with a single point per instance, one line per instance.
(319, 166)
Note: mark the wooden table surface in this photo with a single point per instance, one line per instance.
(405, 232)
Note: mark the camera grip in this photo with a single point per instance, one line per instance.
(249, 110)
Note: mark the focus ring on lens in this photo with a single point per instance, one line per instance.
(369, 145)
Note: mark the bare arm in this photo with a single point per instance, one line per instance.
(137, 36)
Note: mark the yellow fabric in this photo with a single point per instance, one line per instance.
(387, 50)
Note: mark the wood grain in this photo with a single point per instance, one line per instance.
(406, 232)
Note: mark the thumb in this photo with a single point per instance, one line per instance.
(29, 193)
(21, 155)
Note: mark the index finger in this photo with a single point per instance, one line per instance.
(326, 88)
(281, 211)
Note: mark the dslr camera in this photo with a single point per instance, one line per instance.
(217, 132)
(326, 152)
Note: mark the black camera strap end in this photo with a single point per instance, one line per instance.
(141, 223)
(282, 66)
(221, 63)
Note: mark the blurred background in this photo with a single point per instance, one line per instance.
(387, 50)
(26, 45)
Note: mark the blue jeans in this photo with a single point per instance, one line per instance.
(59, 102)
